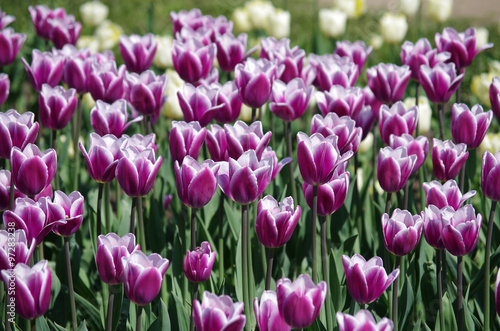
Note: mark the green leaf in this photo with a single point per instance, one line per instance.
(338, 297)
(406, 300)
(182, 314)
(162, 322)
(89, 312)
(449, 316)
(117, 304)
(41, 324)
(82, 327)
(234, 219)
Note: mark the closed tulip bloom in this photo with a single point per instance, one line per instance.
(388, 81)
(196, 182)
(440, 10)
(349, 136)
(440, 82)
(185, 139)
(363, 320)
(232, 50)
(401, 231)
(110, 250)
(341, 101)
(490, 175)
(447, 159)
(196, 103)
(357, 51)
(397, 120)
(289, 101)
(102, 157)
(112, 118)
(461, 230)
(4, 88)
(366, 280)
(420, 53)
(218, 313)
(227, 96)
(461, 46)
(469, 126)
(5, 19)
(32, 169)
(106, 82)
(193, 60)
(434, 222)
(76, 72)
(40, 15)
(276, 221)
(300, 301)
(198, 264)
(57, 106)
(64, 31)
(394, 168)
(318, 156)
(254, 80)
(33, 286)
(494, 92)
(332, 22)
(45, 68)
(242, 137)
(290, 60)
(14, 248)
(331, 195)
(136, 171)
(10, 44)
(16, 130)
(267, 313)
(138, 51)
(447, 194)
(66, 207)
(217, 143)
(415, 146)
(143, 276)
(330, 70)
(146, 92)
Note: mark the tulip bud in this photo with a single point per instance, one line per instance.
(490, 179)
(198, 264)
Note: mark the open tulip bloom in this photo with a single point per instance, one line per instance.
(469, 126)
(401, 231)
(242, 137)
(290, 60)
(447, 194)
(218, 313)
(267, 313)
(110, 249)
(16, 130)
(198, 263)
(112, 118)
(341, 101)
(415, 146)
(363, 320)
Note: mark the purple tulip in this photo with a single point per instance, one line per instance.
(198, 264)
(461, 46)
(494, 92)
(371, 101)
(218, 313)
(349, 136)
(16, 130)
(415, 146)
(107, 83)
(388, 81)
(341, 101)
(14, 249)
(469, 126)
(490, 175)
(232, 50)
(146, 92)
(32, 169)
(45, 68)
(138, 52)
(192, 60)
(277, 166)
(401, 231)
(140, 142)
(64, 31)
(254, 80)
(192, 18)
(68, 208)
(245, 179)
(365, 120)
(461, 230)
(196, 103)
(103, 156)
(356, 51)
(275, 222)
(5, 19)
(185, 139)
(242, 137)
(143, 276)
(57, 106)
(440, 82)
(289, 101)
(447, 159)
(227, 96)
(217, 143)
(331, 195)
(78, 66)
(291, 60)
(267, 313)
(363, 320)
(397, 120)
(112, 118)
(136, 171)
(10, 44)
(40, 15)
(33, 286)
(328, 70)
(366, 280)
(421, 53)
(447, 194)
(394, 168)
(434, 222)
(5, 190)
(300, 301)
(110, 250)
(196, 182)
(4, 87)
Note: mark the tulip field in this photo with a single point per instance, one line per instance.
(248, 166)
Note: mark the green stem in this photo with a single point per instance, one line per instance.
(107, 205)
(395, 288)
(462, 177)
(70, 284)
(313, 234)
(273, 130)
(388, 204)
(54, 146)
(254, 112)
(440, 107)
(99, 207)
(195, 297)
(111, 300)
(439, 287)
(221, 238)
(33, 324)
(405, 197)
(140, 215)
(324, 263)
(182, 230)
(487, 268)
(244, 259)
(460, 306)
(132, 215)
(76, 138)
(289, 152)
(269, 273)
(193, 229)
(138, 321)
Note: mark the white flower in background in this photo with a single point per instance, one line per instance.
(482, 35)
(366, 145)
(93, 13)
(376, 41)
(439, 10)
(88, 101)
(246, 112)
(171, 107)
(279, 24)
(480, 85)
(409, 7)
(494, 68)
(346, 6)
(424, 112)
(163, 55)
(241, 19)
(259, 12)
(89, 42)
(108, 34)
(491, 143)
(393, 27)
(332, 22)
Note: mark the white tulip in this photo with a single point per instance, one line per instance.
(259, 12)
(93, 13)
(163, 55)
(89, 42)
(439, 10)
(409, 7)
(332, 22)
(482, 35)
(424, 112)
(393, 27)
(171, 107)
(480, 87)
(279, 24)
(241, 19)
(108, 34)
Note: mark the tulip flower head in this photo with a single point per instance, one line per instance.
(106, 82)
(341, 101)
(217, 143)
(434, 222)
(40, 15)
(102, 157)
(447, 194)
(421, 53)
(363, 320)
(138, 51)
(329, 70)
(349, 136)
(16, 130)
(469, 126)
(57, 106)
(4, 87)
(267, 313)
(45, 68)
(198, 264)
(331, 195)
(461, 230)
(388, 82)
(415, 146)
(494, 92)
(242, 137)
(357, 51)
(110, 250)
(11, 44)
(397, 120)
(64, 31)
(193, 60)
(290, 60)
(112, 118)
(15, 250)
(254, 80)
(289, 101)
(490, 175)
(218, 313)
(5, 19)
(186, 139)
(197, 103)
(440, 82)
(447, 159)
(232, 50)
(401, 231)
(5, 190)
(67, 208)
(394, 168)
(227, 96)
